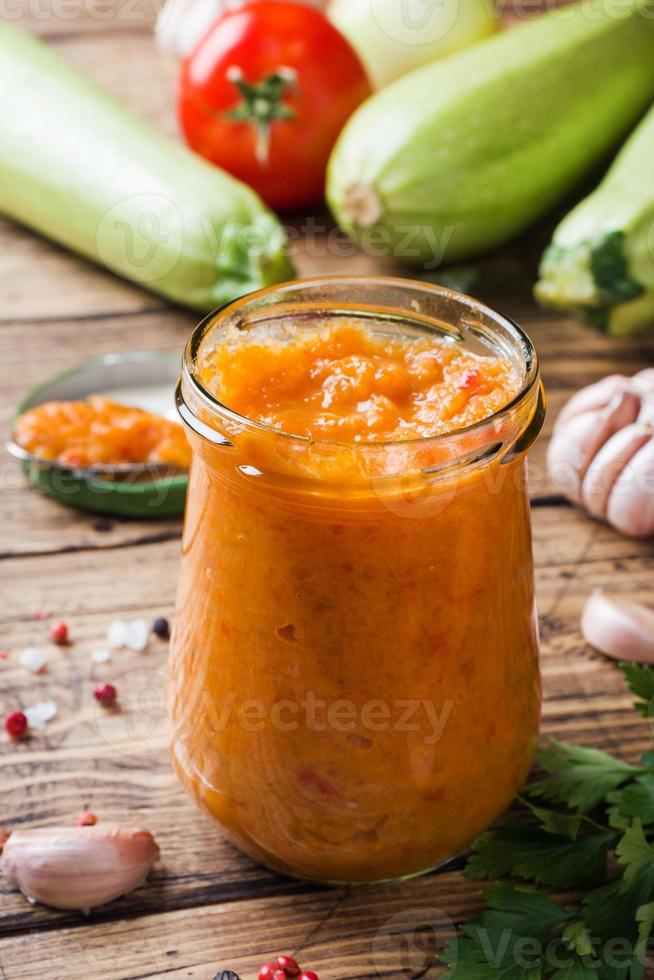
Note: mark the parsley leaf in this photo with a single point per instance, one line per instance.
(618, 910)
(526, 935)
(579, 777)
(525, 851)
(556, 822)
(633, 801)
(576, 971)
(506, 941)
(645, 920)
(640, 680)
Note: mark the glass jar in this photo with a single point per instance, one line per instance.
(355, 689)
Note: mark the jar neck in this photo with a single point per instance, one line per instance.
(397, 308)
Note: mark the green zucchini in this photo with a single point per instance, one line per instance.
(82, 170)
(601, 260)
(460, 156)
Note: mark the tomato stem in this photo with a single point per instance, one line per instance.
(262, 103)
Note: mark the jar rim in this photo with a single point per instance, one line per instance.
(530, 381)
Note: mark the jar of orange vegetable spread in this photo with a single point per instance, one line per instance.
(355, 683)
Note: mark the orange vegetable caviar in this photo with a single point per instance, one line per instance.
(98, 431)
(347, 383)
(354, 672)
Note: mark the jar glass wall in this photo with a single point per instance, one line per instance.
(354, 684)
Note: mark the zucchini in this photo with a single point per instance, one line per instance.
(82, 170)
(459, 156)
(601, 260)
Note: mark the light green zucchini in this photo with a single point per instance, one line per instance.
(82, 170)
(601, 260)
(459, 156)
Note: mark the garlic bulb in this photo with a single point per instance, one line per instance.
(78, 867)
(601, 454)
(181, 23)
(619, 628)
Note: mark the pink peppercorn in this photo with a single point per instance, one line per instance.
(266, 972)
(86, 819)
(106, 694)
(288, 966)
(59, 633)
(308, 975)
(16, 723)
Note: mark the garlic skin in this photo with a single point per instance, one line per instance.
(78, 867)
(619, 628)
(601, 455)
(181, 23)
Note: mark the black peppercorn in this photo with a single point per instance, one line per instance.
(161, 628)
(226, 975)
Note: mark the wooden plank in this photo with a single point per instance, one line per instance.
(355, 933)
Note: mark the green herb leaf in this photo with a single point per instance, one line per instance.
(635, 801)
(579, 970)
(645, 920)
(577, 939)
(579, 777)
(558, 822)
(507, 941)
(525, 851)
(640, 680)
(468, 960)
(611, 913)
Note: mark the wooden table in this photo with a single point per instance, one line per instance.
(206, 907)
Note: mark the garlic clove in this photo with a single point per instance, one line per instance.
(566, 452)
(630, 507)
(607, 465)
(182, 23)
(573, 445)
(78, 867)
(646, 414)
(593, 398)
(619, 628)
(644, 381)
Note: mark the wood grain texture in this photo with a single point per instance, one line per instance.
(207, 907)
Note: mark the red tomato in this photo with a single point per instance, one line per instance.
(266, 92)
